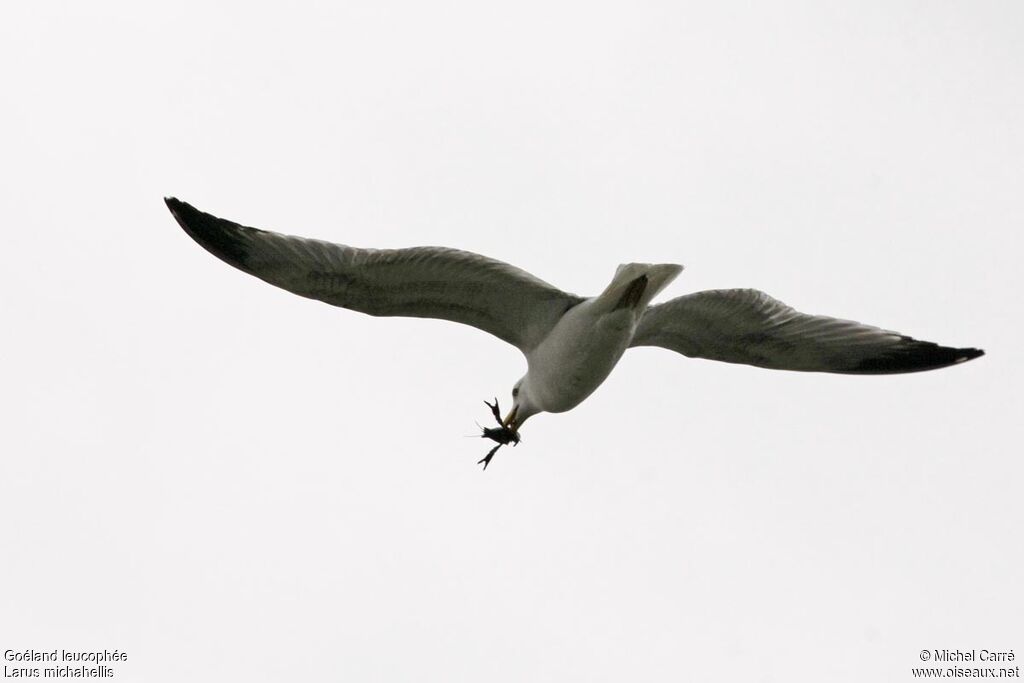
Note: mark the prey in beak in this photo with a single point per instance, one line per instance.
(505, 433)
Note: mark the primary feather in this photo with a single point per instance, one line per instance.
(748, 326)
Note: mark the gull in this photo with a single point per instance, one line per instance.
(571, 343)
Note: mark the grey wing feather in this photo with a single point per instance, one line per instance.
(748, 326)
(422, 282)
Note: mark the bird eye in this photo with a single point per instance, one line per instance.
(515, 392)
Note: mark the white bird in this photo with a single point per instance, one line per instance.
(571, 343)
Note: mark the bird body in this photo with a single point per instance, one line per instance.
(571, 343)
(574, 359)
(584, 346)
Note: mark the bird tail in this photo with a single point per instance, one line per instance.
(636, 284)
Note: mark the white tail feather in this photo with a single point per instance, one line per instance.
(659, 275)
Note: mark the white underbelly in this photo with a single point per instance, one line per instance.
(577, 357)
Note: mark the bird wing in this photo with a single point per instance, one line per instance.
(748, 326)
(421, 282)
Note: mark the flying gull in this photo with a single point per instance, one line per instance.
(571, 343)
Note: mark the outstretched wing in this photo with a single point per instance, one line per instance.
(420, 282)
(750, 327)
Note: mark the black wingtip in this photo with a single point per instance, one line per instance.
(224, 239)
(969, 354)
(186, 214)
(182, 211)
(916, 356)
(176, 206)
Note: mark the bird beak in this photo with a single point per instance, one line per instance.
(510, 419)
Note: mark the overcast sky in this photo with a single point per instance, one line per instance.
(229, 482)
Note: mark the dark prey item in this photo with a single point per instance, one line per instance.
(501, 434)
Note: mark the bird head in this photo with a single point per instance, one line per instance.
(522, 406)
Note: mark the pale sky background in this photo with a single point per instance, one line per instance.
(233, 483)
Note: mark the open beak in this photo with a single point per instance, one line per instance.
(510, 419)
